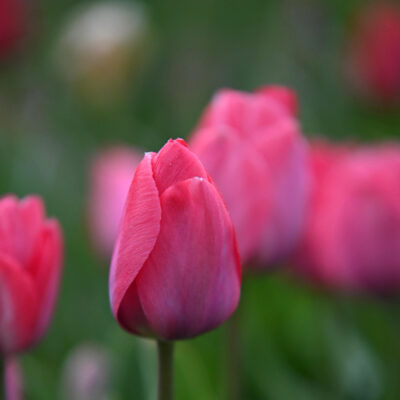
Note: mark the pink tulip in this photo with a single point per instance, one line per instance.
(374, 52)
(282, 94)
(110, 176)
(30, 268)
(252, 147)
(175, 271)
(352, 236)
(12, 25)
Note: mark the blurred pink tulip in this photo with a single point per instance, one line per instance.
(374, 52)
(253, 148)
(352, 236)
(13, 380)
(282, 94)
(175, 271)
(110, 176)
(30, 268)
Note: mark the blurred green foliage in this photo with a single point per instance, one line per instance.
(297, 343)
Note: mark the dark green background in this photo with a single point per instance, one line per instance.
(296, 343)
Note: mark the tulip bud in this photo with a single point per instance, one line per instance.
(351, 240)
(374, 53)
(175, 271)
(101, 48)
(111, 174)
(254, 150)
(86, 374)
(30, 268)
(12, 25)
(282, 94)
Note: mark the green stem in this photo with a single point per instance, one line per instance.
(165, 370)
(2, 379)
(233, 383)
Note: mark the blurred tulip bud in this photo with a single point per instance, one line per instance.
(374, 53)
(282, 94)
(13, 380)
(101, 48)
(87, 374)
(30, 269)
(12, 25)
(254, 150)
(175, 271)
(352, 235)
(111, 174)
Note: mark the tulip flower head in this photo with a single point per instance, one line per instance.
(251, 145)
(175, 271)
(374, 53)
(351, 240)
(110, 177)
(30, 268)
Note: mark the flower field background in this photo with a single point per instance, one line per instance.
(297, 341)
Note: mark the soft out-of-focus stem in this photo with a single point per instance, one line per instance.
(233, 382)
(165, 370)
(2, 379)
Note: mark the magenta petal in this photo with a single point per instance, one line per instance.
(131, 315)
(10, 227)
(191, 282)
(32, 214)
(282, 94)
(243, 178)
(175, 163)
(244, 112)
(48, 261)
(18, 306)
(138, 232)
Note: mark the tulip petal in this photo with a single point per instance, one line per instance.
(191, 281)
(20, 223)
(48, 261)
(32, 216)
(131, 315)
(239, 173)
(244, 112)
(10, 227)
(138, 232)
(286, 154)
(175, 163)
(282, 94)
(18, 306)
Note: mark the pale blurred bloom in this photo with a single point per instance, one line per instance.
(100, 48)
(86, 374)
(111, 173)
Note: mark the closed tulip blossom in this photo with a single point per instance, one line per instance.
(352, 236)
(175, 271)
(252, 146)
(111, 173)
(374, 53)
(30, 268)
